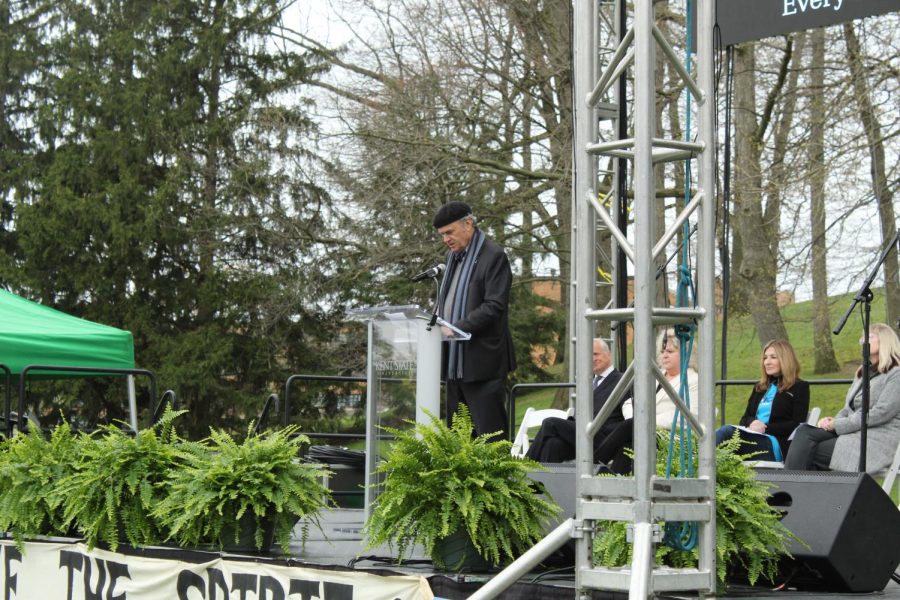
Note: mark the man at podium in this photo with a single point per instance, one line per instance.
(474, 297)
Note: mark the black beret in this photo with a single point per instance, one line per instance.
(451, 212)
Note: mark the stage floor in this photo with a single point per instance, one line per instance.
(341, 543)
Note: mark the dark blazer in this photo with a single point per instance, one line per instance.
(555, 441)
(789, 409)
(602, 393)
(489, 354)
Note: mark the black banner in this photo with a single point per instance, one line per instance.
(743, 20)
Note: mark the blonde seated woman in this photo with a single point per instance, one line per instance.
(610, 451)
(778, 404)
(833, 444)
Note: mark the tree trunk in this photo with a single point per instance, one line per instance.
(738, 295)
(883, 195)
(758, 266)
(825, 361)
(527, 220)
(546, 40)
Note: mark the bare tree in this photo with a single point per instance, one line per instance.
(759, 223)
(883, 194)
(825, 362)
(454, 100)
(471, 99)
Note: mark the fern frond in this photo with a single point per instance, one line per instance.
(748, 531)
(260, 479)
(440, 480)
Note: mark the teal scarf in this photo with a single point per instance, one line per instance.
(764, 411)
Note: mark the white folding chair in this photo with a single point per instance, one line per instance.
(532, 418)
(813, 417)
(890, 476)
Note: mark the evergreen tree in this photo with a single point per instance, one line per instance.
(23, 29)
(167, 194)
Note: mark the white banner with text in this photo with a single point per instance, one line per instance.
(69, 571)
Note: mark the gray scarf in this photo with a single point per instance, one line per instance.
(458, 311)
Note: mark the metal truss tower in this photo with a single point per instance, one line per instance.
(643, 500)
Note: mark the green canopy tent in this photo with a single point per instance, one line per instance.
(32, 334)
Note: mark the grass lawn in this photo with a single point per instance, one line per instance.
(743, 357)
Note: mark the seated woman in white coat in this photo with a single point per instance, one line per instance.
(835, 442)
(610, 451)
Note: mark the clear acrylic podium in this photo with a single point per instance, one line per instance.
(403, 375)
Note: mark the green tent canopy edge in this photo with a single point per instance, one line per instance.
(31, 333)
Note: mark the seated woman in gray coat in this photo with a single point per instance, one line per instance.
(834, 442)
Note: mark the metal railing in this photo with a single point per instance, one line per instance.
(7, 402)
(168, 396)
(330, 378)
(263, 418)
(723, 383)
(512, 396)
(23, 377)
(514, 392)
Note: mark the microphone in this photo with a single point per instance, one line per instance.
(430, 273)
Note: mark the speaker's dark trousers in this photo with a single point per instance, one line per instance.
(486, 401)
(811, 449)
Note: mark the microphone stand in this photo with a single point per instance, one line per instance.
(437, 299)
(864, 295)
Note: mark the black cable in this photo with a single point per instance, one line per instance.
(387, 560)
(567, 571)
(621, 284)
(726, 221)
(334, 455)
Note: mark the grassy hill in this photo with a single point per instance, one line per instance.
(743, 356)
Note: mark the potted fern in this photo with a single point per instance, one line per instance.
(118, 481)
(749, 533)
(240, 495)
(442, 487)
(31, 468)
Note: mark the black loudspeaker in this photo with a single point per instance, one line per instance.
(559, 481)
(850, 524)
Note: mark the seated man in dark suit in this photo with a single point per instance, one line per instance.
(555, 441)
